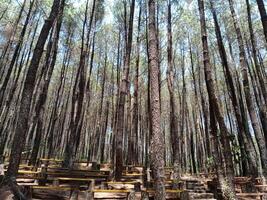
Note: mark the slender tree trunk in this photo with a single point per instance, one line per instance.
(263, 14)
(173, 111)
(122, 98)
(250, 151)
(77, 107)
(40, 110)
(249, 101)
(22, 124)
(6, 50)
(5, 10)
(135, 123)
(157, 138)
(228, 188)
(15, 55)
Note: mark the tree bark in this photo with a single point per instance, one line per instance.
(173, 111)
(249, 148)
(122, 97)
(15, 54)
(39, 109)
(23, 115)
(263, 14)
(227, 188)
(157, 138)
(249, 101)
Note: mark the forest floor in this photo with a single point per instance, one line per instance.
(52, 182)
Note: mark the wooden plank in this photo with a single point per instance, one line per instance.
(133, 174)
(167, 191)
(166, 181)
(28, 172)
(111, 191)
(65, 174)
(76, 170)
(75, 179)
(52, 188)
(260, 185)
(129, 182)
(251, 194)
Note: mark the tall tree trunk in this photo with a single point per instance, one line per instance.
(249, 148)
(77, 107)
(227, 188)
(15, 54)
(23, 115)
(258, 70)
(249, 101)
(5, 10)
(173, 111)
(259, 73)
(39, 109)
(7, 48)
(157, 138)
(122, 97)
(263, 14)
(134, 145)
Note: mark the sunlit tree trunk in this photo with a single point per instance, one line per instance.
(228, 187)
(249, 101)
(157, 138)
(122, 97)
(173, 105)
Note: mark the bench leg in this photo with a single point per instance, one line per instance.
(131, 196)
(74, 195)
(90, 195)
(55, 182)
(144, 196)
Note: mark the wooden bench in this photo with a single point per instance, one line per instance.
(251, 195)
(259, 180)
(133, 175)
(111, 194)
(54, 188)
(47, 162)
(135, 185)
(79, 171)
(28, 174)
(169, 193)
(242, 179)
(55, 173)
(244, 184)
(166, 181)
(123, 182)
(261, 188)
(76, 175)
(77, 181)
(23, 167)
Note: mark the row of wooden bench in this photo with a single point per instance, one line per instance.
(54, 175)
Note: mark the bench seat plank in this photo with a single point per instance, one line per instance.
(111, 191)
